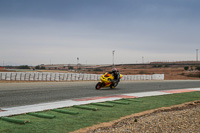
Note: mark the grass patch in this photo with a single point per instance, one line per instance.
(13, 120)
(118, 102)
(65, 111)
(102, 104)
(41, 115)
(66, 122)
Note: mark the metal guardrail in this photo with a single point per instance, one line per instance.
(46, 76)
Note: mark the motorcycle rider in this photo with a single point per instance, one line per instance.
(115, 74)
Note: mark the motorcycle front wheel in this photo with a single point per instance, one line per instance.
(98, 86)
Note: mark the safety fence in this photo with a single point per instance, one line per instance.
(47, 76)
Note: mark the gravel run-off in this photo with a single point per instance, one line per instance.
(184, 118)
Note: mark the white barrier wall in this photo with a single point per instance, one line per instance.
(45, 76)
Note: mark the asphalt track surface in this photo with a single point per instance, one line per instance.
(18, 94)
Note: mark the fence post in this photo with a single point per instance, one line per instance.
(29, 76)
(82, 76)
(78, 77)
(6, 76)
(15, 76)
(67, 77)
(38, 76)
(50, 76)
(42, 76)
(46, 76)
(34, 76)
(25, 76)
(63, 77)
(75, 77)
(11, 76)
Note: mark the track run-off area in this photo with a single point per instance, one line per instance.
(29, 93)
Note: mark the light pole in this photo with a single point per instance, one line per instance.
(142, 59)
(113, 57)
(77, 62)
(197, 54)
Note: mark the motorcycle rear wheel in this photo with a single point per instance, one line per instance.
(98, 86)
(113, 85)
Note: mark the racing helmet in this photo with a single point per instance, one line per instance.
(114, 70)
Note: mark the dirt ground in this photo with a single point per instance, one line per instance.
(173, 72)
(180, 118)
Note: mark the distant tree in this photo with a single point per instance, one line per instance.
(186, 68)
(42, 67)
(154, 66)
(37, 67)
(166, 65)
(23, 67)
(198, 68)
(157, 66)
(191, 68)
(70, 67)
(97, 69)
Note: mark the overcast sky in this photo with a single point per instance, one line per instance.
(36, 32)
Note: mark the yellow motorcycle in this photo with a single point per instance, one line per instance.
(107, 80)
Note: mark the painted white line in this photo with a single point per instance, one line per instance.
(145, 94)
(197, 89)
(48, 106)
